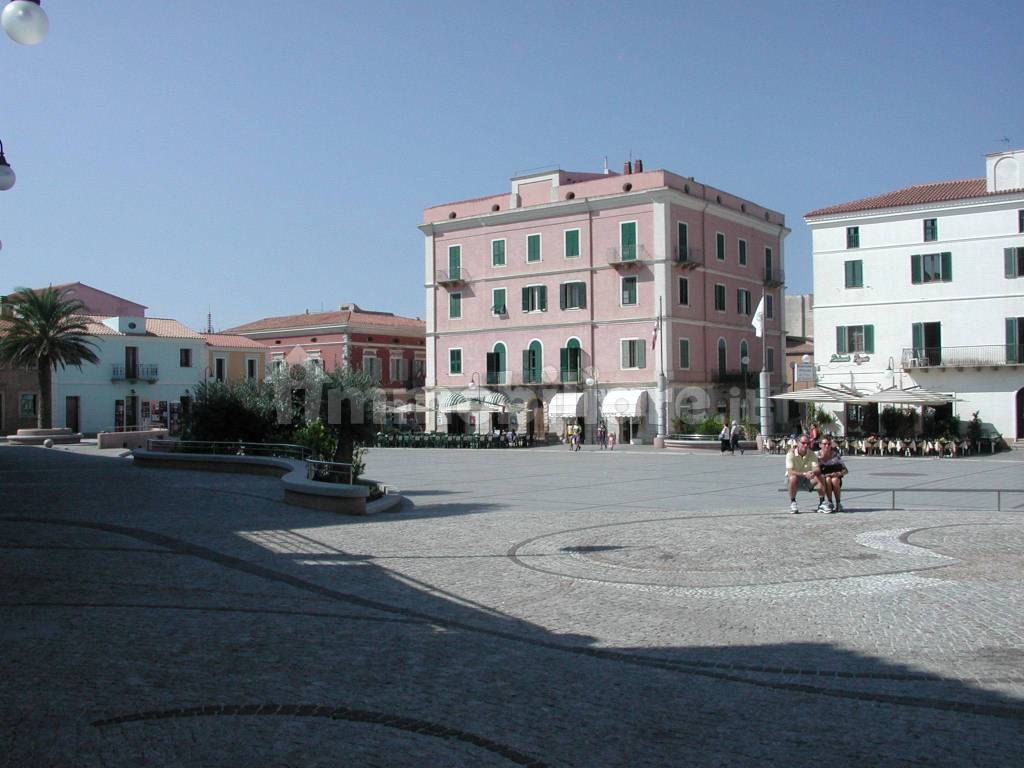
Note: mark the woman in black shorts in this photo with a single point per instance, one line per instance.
(830, 461)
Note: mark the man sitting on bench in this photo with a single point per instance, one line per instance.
(803, 473)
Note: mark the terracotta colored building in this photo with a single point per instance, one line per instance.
(389, 347)
(231, 357)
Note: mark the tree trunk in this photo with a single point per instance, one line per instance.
(45, 415)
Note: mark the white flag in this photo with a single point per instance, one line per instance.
(758, 321)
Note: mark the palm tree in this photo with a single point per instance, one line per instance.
(46, 330)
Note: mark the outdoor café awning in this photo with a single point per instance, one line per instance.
(449, 400)
(497, 399)
(474, 406)
(913, 396)
(408, 408)
(821, 394)
(624, 403)
(566, 405)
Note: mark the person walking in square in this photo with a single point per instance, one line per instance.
(735, 435)
(602, 435)
(726, 437)
(577, 436)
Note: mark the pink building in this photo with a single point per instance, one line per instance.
(389, 347)
(542, 303)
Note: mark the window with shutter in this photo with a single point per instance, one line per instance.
(719, 297)
(627, 240)
(455, 305)
(682, 241)
(533, 247)
(743, 252)
(1015, 340)
(684, 291)
(1014, 262)
(931, 230)
(572, 243)
(840, 339)
(684, 354)
(853, 237)
(629, 291)
(497, 253)
(722, 356)
(720, 246)
(498, 302)
(854, 274)
(454, 361)
(454, 262)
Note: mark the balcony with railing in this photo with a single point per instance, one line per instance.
(688, 257)
(985, 356)
(627, 257)
(138, 372)
(451, 278)
(740, 377)
(774, 277)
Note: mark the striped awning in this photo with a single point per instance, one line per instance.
(447, 401)
(499, 399)
(624, 402)
(566, 405)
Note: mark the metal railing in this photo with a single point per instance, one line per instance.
(228, 448)
(119, 371)
(774, 276)
(329, 471)
(963, 357)
(734, 377)
(689, 256)
(630, 254)
(452, 276)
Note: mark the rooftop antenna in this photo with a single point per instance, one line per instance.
(209, 320)
(606, 165)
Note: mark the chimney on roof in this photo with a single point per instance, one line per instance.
(606, 171)
(350, 307)
(627, 168)
(639, 165)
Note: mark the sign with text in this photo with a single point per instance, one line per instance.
(803, 372)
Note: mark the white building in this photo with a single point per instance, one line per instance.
(924, 286)
(147, 370)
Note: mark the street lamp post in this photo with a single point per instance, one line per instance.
(7, 176)
(25, 21)
(592, 382)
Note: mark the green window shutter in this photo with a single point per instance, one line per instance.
(498, 253)
(563, 291)
(1012, 350)
(947, 266)
(624, 354)
(641, 356)
(915, 269)
(840, 339)
(720, 246)
(455, 305)
(583, 295)
(1010, 261)
(743, 251)
(455, 361)
(917, 338)
(526, 365)
(454, 261)
(858, 273)
(543, 303)
(684, 241)
(572, 243)
(526, 299)
(533, 247)
(684, 291)
(869, 339)
(627, 231)
(684, 353)
(563, 363)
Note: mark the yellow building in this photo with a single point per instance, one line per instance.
(234, 358)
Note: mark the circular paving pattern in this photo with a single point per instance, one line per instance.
(699, 553)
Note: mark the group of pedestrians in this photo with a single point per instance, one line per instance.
(730, 437)
(574, 437)
(822, 472)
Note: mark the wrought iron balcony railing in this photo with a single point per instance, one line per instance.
(689, 257)
(451, 277)
(774, 277)
(744, 378)
(994, 355)
(120, 372)
(627, 256)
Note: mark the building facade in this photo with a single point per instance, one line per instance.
(232, 358)
(924, 286)
(390, 348)
(146, 372)
(542, 303)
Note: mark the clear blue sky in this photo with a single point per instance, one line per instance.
(263, 158)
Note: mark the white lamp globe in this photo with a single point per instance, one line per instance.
(25, 21)
(6, 177)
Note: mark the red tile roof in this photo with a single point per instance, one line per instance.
(918, 194)
(160, 327)
(338, 317)
(231, 340)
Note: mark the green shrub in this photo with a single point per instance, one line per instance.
(319, 439)
(709, 425)
(233, 411)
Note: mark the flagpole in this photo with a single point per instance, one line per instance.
(764, 380)
(662, 381)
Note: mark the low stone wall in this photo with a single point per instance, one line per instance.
(129, 439)
(298, 490)
(59, 436)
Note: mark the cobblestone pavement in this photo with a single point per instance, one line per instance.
(523, 607)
